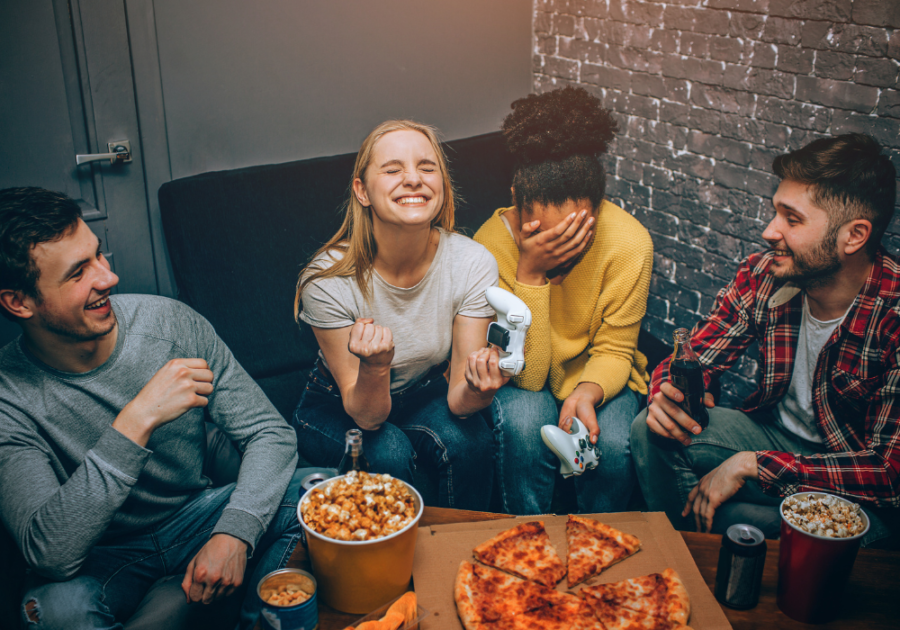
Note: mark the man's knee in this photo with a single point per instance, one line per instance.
(639, 433)
(70, 605)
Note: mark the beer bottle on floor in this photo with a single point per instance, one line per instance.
(353, 454)
(687, 375)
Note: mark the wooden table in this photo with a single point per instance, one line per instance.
(872, 598)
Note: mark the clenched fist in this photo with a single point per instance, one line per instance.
(373, 344)
(178, 386)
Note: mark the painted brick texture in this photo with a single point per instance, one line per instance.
(707, 93)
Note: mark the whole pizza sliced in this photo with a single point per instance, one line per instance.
(526, 551)
(485, 596)
(593, 547)
(657, 601)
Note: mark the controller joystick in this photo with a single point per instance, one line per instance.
(574, 450)
(508, 332)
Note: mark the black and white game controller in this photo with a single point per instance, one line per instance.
(574, 450)
(508, 332)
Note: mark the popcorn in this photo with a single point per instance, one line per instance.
(824, 515)
(291, 593)
(359, 507)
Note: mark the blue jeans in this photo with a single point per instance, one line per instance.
(420, 429)
(118, 573)
(668, 471)
(527, 468)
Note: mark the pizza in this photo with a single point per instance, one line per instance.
(574, 615)
(488, 599)
(517, 591)
(657, 601)
(526, 551)
(593, 547)
(485, 595)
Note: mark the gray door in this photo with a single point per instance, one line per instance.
(66, 88)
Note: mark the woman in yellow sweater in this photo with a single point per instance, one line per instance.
(582, 265)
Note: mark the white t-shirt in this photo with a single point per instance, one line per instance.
(420, 317)
(796, 408)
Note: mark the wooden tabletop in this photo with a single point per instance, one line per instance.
(871, 601)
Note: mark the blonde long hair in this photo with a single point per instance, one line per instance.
(356, 237)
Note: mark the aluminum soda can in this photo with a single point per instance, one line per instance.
(303, 616)
(312, 480)
(739, 572)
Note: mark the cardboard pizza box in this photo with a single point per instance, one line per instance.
(440, 549)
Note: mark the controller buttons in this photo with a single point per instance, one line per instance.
(581, 443)
(515, 319)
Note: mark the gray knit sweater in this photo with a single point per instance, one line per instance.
(68, 479)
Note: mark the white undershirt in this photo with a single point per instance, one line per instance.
(796, 408)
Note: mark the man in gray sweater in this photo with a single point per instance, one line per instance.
(102, 435)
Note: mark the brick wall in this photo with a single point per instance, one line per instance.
(706, 93)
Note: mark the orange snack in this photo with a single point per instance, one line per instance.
(401, 613)
(407, 606)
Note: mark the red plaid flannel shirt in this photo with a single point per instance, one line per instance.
(856, 397)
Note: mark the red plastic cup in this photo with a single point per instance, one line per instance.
(813, 569)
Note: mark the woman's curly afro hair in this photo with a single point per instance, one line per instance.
(555, 139)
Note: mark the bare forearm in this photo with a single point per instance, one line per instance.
(134, 424)
(748, 466)
(368, 401)
(464, 401)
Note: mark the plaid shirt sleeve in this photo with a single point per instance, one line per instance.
(870, 476)
(720, 338)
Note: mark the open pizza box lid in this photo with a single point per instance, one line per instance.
(440, 549)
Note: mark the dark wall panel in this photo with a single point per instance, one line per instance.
(265, 82)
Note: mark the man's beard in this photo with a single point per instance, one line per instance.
(64, 329)
(817, 267)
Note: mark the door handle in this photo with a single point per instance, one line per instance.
(119, 152)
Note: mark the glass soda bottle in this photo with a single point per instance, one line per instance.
(687, 375)
(353, 453)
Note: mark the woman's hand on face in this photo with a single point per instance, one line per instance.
(540, 252)
(373, 344)
(483, 371)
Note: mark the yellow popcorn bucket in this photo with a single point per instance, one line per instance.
(359, 576)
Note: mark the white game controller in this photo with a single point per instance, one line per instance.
(575, 451)
(508, 332)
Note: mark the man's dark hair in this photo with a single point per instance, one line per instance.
(849, 178)
(556, 139)
(30, 216)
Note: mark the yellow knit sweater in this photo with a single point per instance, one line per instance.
(584, 329)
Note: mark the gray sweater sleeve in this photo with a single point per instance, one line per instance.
(56, 525)
(269, 445)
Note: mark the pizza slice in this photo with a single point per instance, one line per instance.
(657, 601)
(593, 547)
(485, 595)
(526, 551)
(569, 613)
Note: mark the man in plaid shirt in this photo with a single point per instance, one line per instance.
(824, 304)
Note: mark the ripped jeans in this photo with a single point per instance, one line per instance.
(118, 573)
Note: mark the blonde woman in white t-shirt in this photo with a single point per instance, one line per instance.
(396, 302)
